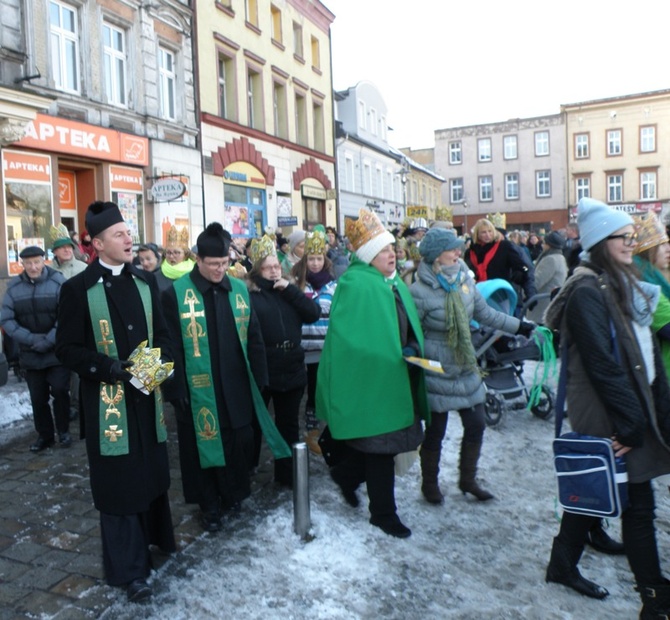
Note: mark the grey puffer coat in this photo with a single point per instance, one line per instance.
(459, 387)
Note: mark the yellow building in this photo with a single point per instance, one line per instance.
(265, 90)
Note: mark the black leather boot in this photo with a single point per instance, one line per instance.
(430, 468)
(563, 569)
(600, 541)
(468, 470)
(655, 602)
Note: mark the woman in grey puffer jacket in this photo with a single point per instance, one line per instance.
(447, 299)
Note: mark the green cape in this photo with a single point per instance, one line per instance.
(363, 386)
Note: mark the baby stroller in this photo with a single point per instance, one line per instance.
(500, 358)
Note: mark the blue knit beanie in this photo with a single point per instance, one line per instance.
(436, 241)
(597, 221)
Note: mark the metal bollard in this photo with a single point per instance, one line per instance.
(301, 517)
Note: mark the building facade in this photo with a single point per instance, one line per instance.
(266, 114)
(516, 168)
(618, 152)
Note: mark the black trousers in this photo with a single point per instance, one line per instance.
(126, 540)
(639, 534)
(43, 383)
(472, 419)
(311, 422)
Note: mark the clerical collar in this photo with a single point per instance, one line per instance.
(391, 277)
(115, 269)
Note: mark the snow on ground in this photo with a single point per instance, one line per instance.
(465, 559)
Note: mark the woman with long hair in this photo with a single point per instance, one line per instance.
(616, 388)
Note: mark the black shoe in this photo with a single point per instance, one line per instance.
(211, 521)
(574, 580)
(41, 444)
(392, 526)
(600, 541)
(65, 440)
(138, 590)
(348, 493)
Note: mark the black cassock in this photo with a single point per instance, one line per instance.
(130, 491)
(217, 487)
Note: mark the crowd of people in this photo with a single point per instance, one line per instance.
(352, 326)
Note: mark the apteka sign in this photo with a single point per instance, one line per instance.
(167, 189)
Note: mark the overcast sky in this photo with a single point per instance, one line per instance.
(446, 64)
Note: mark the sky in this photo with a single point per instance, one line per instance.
(449, 64)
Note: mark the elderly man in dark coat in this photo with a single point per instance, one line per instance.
(220, 367)
(104, 314)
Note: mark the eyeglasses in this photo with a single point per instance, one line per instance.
(174, 252)
(219, 264)
(628, 238)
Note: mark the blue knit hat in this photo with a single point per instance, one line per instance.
(436, 241)
(597, 221)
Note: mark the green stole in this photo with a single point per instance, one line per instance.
(199, 372)
(114, 437)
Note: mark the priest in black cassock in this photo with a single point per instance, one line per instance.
(105, 312)
(219, 371)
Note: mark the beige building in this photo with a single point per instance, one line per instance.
(618, 151)
(265, 92)
(424, 185)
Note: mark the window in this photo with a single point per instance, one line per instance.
(510, 147)
(227, 102)
(167, 78)
(255, 99)
(379, 180)
(297, 40)
(512, 186)
(319, 130)
(648, 185)
(389, 185)
(485, 189)
(583, 187)
(350, 174)
(367, 178)
(382, 128)
(581, 146)
(301, 119)
(279, 110)
(543, 184)
(484, 149)
(114, 61)
(372, 121)
(647, 139)
(276, 24)
(251, 7)
(455, 154)
(362, 116)
(614, 142)
(456, 190)
(541, 143)
(316, 55)
(614, 187)
(64, 46)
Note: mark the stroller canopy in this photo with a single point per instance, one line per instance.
(499, 294)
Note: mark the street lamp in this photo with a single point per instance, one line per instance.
(465, 216)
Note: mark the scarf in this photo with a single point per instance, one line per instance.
(457, 323)
(489, 251)
(319, 279)
(174, 272)
(652, 274)
(644, 299)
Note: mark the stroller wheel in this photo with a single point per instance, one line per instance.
(545, 406)
(493, 410)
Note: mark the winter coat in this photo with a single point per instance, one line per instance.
(459, 387)
(607, 396)
(551, 272)
(314, 334)
(70, 267)
(281, 315)
(29, 315)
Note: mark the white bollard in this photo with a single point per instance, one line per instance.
(301, 517)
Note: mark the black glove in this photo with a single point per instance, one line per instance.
(532, 305)
(42, 345)
(118, 371)
(526, 328)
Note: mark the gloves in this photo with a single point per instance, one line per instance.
(118, 371)
(42, 345)
(526, 328)
(532, 305)
(409, 351)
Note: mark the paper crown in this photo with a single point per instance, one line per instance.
(237, 271)
(262, 248)
(315, 243)
(401, 244)
(60, 236)
(365, 228)
(499, 220)
(444, 214)
(650, 232)
(148, 370)
(177, 238)
(271, 232)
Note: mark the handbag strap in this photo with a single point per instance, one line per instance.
(563, 377)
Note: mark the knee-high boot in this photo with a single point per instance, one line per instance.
(430, 468)
(655, 601)
(468, 470)
(563, 569)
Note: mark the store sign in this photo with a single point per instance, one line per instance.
(122, 179)
(417, 212)
(287, 221)
(50, 133)
(20, 166)
(167, 189)
(316, 193)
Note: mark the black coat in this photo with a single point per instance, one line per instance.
(127, 484)
(281, 315)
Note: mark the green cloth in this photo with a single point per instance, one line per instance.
(457, 323)
(363, 385)
(174, 272)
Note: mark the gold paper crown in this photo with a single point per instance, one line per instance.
(366, 227)
(401, 244)
(147, 369)
(270, 232)
(498, 220)
(444, 214)
(262, 248)
(59, 232)
(315, 243)
(237, 271)
(177, 238)
(650, 232)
